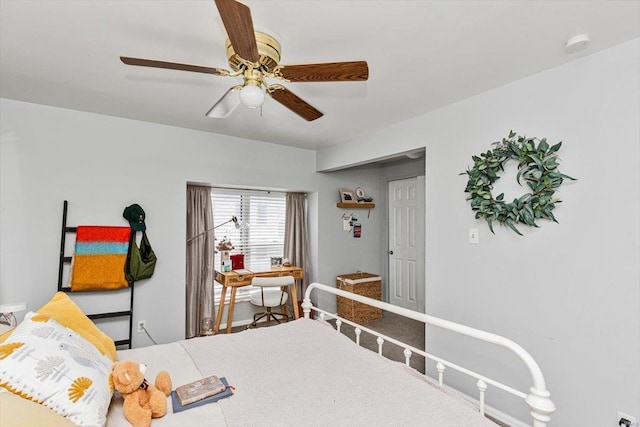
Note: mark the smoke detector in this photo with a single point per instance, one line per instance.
(577, 43)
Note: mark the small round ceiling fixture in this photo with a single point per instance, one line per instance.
(414, 154)
(577, 43)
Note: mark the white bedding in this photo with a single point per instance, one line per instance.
(299, 373)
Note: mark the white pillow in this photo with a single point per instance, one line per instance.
(53, 365)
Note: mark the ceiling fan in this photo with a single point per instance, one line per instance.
(256, 56)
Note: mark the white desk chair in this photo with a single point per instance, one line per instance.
(272, 293)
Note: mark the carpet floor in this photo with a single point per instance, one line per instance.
(407, 331)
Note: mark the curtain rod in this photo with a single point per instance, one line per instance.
(248, 189)
(259, 190)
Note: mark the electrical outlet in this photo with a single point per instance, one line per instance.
(626, 420)
(142, 325)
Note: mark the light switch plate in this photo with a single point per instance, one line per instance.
(473, 236)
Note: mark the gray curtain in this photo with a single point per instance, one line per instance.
(295, 237)
(200, 252)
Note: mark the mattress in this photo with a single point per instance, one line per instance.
(300, 373)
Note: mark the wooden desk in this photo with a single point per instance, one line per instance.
(231, 279)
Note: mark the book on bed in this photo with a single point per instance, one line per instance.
(198, 390)
(177, 407)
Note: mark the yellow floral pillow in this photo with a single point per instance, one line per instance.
(67, 312)
(53, 365)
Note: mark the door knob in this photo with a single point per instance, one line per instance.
(390, 252)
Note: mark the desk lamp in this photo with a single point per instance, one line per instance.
(238, 224)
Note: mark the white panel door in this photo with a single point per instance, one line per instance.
(406, 243)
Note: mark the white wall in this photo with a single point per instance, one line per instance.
(102, 164)
(350, 254)
(568, 292)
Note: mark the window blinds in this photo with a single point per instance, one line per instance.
(263, 216)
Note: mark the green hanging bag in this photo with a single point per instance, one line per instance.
(141, 261)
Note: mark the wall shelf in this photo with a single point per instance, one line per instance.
(356, 205)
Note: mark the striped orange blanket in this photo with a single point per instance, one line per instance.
(100, 255)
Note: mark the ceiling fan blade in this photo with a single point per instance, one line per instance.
(225, 105)
(290, 100)
(173, 66)
(326, 72)
(236, 18)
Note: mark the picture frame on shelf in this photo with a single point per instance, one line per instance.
(276, 261)
(347, 196)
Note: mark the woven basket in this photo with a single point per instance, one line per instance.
(365, 284)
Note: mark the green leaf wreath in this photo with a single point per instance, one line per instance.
(537, 166)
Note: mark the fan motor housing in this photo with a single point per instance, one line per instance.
(268, 48)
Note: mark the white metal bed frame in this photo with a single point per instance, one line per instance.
(538, 398)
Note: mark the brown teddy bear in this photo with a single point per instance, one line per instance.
(142, 401)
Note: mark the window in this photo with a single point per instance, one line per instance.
(261, 217)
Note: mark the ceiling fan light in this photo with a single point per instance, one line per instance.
(252, 96)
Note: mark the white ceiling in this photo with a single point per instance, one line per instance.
(422, 55)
